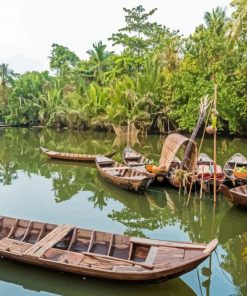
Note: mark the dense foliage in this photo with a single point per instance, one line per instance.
(156, 81)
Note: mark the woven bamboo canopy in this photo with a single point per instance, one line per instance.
(172, 145)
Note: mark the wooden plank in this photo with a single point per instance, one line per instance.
(13, 246)
(130, 251)
(13, 228)
(110, 245)
(91, 241)
(151, 255)
(152, 242)
(115, 168)
(42, 230)
(47, 242)
(27, 230)
(143, 264)
(73, 238)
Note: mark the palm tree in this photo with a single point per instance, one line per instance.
(99, 60)
(6, 79)
(216, 20)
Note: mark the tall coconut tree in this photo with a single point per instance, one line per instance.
(99, 60)
(216, 20)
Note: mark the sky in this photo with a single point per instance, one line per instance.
(29, 27)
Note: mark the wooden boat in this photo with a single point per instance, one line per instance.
(236, 195)
(123, 176)
(72, 156)
(142, 163)
(232, 169)
(205, 173)
(134, 159)
(96, 253)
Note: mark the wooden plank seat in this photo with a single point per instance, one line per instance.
(47, 242)
(136, 163)
(132, 155)
(104, 160)
(13, 246)
(115, 168)
(135, 178)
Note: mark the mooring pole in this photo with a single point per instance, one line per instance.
(215, 139)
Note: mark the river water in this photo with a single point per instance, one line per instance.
(35, 188)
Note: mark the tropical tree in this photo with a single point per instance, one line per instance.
(7, 77)
(138, 38)
(100, 61)
(216, 20)
(62, 59)
(24, 101)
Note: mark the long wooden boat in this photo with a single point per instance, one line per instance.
(236, 195)
(72, 156)
(233, 167)
(205, 173)
(96, 253)
(123, 176)
(141, 163)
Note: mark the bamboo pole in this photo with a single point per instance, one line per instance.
(215, 140)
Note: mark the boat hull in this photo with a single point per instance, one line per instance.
(123, 176)
(72, 156)
(133, 277)
(95, 253)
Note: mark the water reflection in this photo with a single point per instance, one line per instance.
(67, 178)
(41, 280)
(233, 239)
(76, 188)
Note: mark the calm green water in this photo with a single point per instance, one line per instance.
(33, 187)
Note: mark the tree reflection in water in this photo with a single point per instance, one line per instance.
(139, 215)
(233, 239)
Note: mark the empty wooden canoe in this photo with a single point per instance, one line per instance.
(134, 159)
(123, 176)
(237, 195)
(72, 156)
(232, 169)
(96, 253)
(141, 163)
(205, 173)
